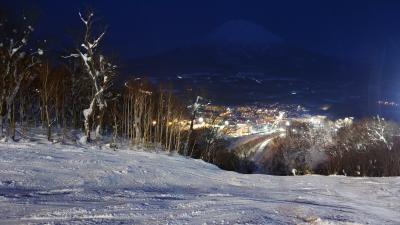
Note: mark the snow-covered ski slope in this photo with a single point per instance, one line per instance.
(65, 184)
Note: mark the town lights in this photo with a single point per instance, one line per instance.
(201, 120)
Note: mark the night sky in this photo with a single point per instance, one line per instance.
(361, 32)
(355, 30)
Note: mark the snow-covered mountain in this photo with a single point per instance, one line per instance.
(244, 47)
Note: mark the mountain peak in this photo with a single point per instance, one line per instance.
(243, 32)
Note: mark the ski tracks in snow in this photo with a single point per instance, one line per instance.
(57, 184)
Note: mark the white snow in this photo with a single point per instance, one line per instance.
(87, 112)
(40, 51)
(43, 183)
(83, 140)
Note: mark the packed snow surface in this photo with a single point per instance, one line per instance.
(44, 183)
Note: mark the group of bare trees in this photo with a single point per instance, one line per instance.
(289, 153)
(152, 115)
(34, 88)
(368, 147)
(78, 93)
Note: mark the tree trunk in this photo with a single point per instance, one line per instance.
(87, 114)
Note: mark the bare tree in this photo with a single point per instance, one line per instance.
(194, 108)
(99, 70)
(46, 93)
(17, 62)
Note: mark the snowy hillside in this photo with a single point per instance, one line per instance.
(64, 184)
